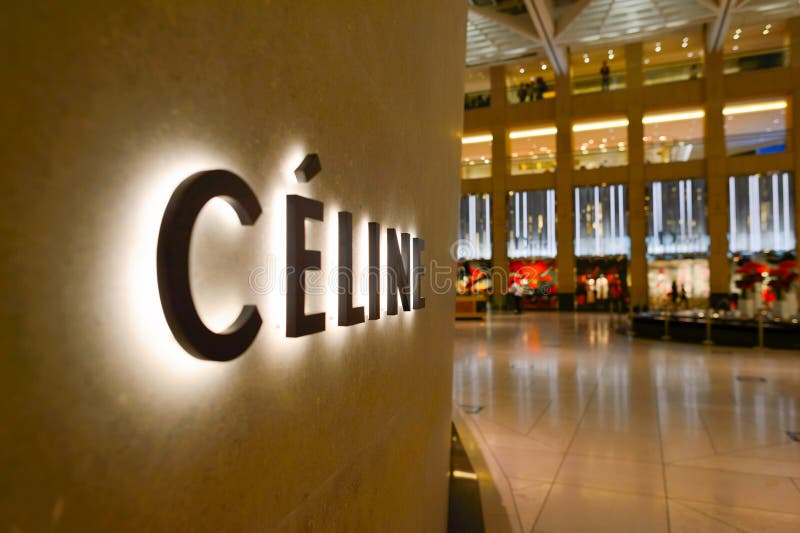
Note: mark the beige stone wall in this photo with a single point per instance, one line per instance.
(106, 107)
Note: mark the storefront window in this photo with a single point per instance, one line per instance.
(762, 213)
(676, 217)
(474, 228)
(601, 282)
(476, 156)
(531, 223)
(588, 70)
(755, 127)
(601, 222)
(756, 47)
(689, 277)
(600, 144)
(533, 150)
(673, 58)
(529, 81)
(672, 136)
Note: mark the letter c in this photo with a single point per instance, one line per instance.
(173, 265)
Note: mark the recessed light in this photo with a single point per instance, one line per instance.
(521, 70)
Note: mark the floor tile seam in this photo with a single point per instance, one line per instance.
(663, 464)
(741, 507)
(727, 471)
(708, 433)
(606, 489)
(505, 475)
(710, 517)
(563, 458)
(516, 433)
(759, 447)
(612, 458)
(682, 464)
(538, 418)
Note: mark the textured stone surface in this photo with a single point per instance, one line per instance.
(107, 423)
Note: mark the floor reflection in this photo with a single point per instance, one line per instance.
(594, 431)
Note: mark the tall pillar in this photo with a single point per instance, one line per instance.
(637, 224)
(497, 77)
(716, 176)
(794, 58)
(565, 211)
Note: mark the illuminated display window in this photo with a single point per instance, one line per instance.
(529, 81)
(586, 69)
(761, 216)
(755, 127)
(477, 88)
(673, 135)
(474, 227)
(756, 47)
(673, 58)
(676, 217)
(533, 150)
(601, 221)
(690, 276)
(601, 143)
(531, 223)
(476, 156)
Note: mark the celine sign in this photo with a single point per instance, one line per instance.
(403, 265)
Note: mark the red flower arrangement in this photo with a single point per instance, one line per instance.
(751, 273)
(782, 278)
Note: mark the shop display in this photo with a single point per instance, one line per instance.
(538, 281)
(601, 282)
(474, 277)
(682, 283)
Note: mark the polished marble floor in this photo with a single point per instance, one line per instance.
(590, 430)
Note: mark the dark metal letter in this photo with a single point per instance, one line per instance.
(298, 260)
(348, 315)
(417, 271)
(397, 271)
(374, 272)
(172, 263)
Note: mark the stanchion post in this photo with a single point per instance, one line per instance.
(709, 318)
(666, 336)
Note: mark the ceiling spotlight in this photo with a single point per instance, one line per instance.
(544, 67)
(765, 32)
(768, 27)
(690, 54)
(521, 70)
(647, 61)
(585, 59)
(738, 30)
(735, 47)
(658, 46)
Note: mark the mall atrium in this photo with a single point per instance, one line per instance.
(464, 265)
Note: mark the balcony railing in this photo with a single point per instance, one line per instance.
(673, 72)
(471, 170)
(756, 60)
(674, 151)
(477, 100)
(607, 157)
(515, 95)
(594, 83)
(532, 164)
(773, 142)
